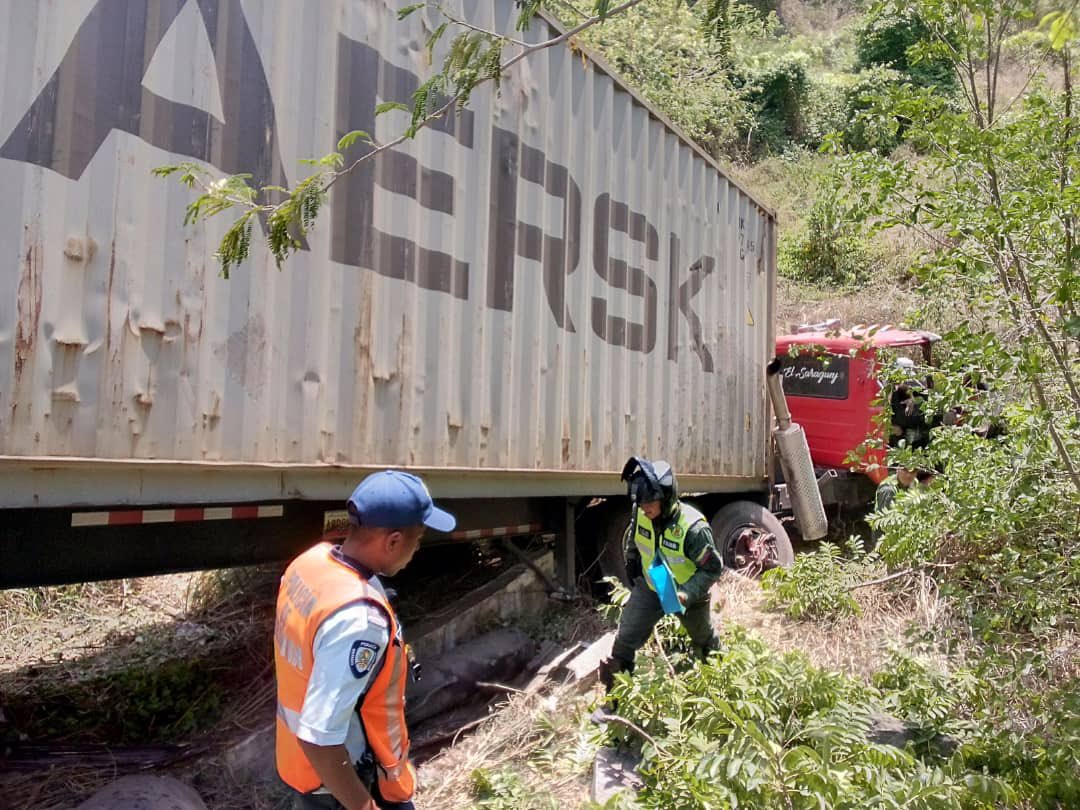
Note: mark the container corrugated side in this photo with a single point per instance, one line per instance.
(552, 280)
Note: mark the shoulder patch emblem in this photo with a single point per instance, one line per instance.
(669, 544)
(361, 657)
(643, 531)
(677, 532)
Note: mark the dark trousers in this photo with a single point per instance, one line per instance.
(640, 615)
(324, 801)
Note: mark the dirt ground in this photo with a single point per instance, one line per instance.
(53, 625)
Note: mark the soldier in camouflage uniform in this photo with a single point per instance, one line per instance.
(903, 479)
(679, 535)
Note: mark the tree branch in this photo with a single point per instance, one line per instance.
(622, 721)
(897, 575)
(526, 51)
(518, 42)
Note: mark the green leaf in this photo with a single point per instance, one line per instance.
(1060, 32)
(436, 35)
(388, 106)
(349, 138)
(405, 11)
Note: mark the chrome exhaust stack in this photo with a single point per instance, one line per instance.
(802, 485)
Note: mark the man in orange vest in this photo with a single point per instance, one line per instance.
(340, 660)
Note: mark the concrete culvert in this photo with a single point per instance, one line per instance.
(145, 792)
(450, 681)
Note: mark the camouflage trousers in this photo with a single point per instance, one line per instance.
(640, 615)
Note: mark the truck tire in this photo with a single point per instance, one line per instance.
(728, 527)
(612, 559)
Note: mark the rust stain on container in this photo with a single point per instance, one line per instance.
(28, 307)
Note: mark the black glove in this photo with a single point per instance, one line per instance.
(633, 568)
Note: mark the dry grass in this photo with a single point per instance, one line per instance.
(228, 616)
(883, 301)
(815, 18)
(543, 738)
(67, 622)
(94, 646)
(857, 645)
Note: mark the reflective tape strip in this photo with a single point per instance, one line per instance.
(290, 718)
(90, 519)
(497, 531)
(181, 514)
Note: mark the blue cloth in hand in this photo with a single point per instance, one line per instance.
(666, 587)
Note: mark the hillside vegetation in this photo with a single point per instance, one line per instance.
(922, 159)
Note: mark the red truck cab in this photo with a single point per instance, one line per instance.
(832, 380)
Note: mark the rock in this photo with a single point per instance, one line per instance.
(517, 591)
(889, 730)
(144, 792)
(551, 665)
(252, 759)
(614, 771)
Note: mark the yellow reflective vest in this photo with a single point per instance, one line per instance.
(671, 543)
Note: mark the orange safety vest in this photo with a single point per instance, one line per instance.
(316, 585)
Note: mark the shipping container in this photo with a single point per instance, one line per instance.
(537, 287)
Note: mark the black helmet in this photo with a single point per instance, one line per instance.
(651, 481)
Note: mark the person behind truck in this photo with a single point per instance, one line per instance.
(907, 407)
(903, 479)
(339, 657)
(673, 538)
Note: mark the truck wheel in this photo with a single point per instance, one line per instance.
(750, 538)
(612, 559)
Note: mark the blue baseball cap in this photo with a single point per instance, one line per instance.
(393, 499)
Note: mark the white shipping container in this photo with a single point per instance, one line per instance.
(540, 286)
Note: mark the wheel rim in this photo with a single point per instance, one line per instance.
(751, 550)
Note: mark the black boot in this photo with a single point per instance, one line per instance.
(712, 647)
(610, 667)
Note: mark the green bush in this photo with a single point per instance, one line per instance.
(817, 585)
(752, 728)
(1000, 516)
(894, 36)
(777, 89)
(932, 701)
(150, 700)
(662, 49)
(504, 789)
(764, 7)
(828, 249)
(826, 111)
(867, 122)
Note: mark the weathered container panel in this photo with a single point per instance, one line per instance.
(550, 280)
